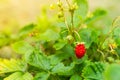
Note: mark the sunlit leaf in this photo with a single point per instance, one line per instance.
(27, 29)
(19, 76)
(49, 35)
(22, 47)
(12, 65)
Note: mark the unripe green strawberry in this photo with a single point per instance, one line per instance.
(70, 38)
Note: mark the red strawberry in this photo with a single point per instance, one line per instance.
(80, 50)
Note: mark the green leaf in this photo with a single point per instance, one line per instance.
(22, 47)
(49, 35)
(66, 52)
(75, 77)
(27, 29)
(12, 65)
(96, 14)
(60, 69)
(4, 39)
(68, 49)
(86, 36)
(42, 76)
(44, 22)
(19, 76)
(58, 57)
(81, 60)
(81, 12)
(59, 45)
(89, 35)
(112, 72)
(38, 60)
(94, 71)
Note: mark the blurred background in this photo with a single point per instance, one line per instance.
(15, 14)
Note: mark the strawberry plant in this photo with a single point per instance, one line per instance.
(64, 47)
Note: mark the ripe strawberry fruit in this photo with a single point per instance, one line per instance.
(80, 50)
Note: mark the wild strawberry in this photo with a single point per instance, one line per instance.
(80, 50)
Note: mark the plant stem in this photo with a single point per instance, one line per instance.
(72, 23)
(67, 25)
(77, 34)
(65, 21)
(68, 3)
(103, 56)
(117, 56)
(72, 15)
